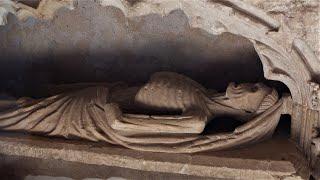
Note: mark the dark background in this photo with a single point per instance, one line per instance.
(98, 44)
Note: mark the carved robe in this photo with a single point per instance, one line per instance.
(86, 114)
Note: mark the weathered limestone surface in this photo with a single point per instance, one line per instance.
(300, 18)
(297, 17)
(79, 160)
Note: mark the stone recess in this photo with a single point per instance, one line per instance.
(280, 31)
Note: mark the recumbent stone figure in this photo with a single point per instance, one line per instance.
(169, 114)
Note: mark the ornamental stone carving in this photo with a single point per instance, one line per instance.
(285, 57)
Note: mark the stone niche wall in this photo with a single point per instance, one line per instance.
(94, 43)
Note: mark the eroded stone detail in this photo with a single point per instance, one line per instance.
(254, 12)
(315, 98)
(309, 58)
(45, 10)
(6, 7)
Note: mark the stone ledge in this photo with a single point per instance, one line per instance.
(227, 164)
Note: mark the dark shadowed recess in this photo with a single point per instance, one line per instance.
(98, 44)
(31, 3)
(222, 124)
(228, 124)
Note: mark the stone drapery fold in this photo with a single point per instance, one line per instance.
(82, 115)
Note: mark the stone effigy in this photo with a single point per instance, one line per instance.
(284, 56)
(96, 113)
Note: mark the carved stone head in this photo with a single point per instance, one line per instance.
(250, 97)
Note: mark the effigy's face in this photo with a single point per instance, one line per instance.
(246, 96)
